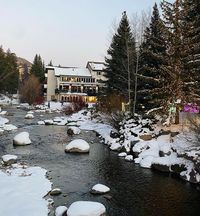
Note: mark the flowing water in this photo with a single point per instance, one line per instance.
(135, 191)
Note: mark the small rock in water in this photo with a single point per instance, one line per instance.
(21, 139)
(129, 158)
(108, 197)
(86, 208)
(99, 189)
(29, 116)
(55, 192)
(9, 159)
(122, 154)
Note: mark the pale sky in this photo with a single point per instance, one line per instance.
(68, 32)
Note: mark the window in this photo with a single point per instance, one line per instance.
(98, 73)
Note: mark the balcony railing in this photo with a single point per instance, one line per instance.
(89, 93)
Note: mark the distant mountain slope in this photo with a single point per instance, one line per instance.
(22, 61)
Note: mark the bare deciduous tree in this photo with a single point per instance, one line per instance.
(31, 90)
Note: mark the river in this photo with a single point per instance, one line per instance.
(135, 191)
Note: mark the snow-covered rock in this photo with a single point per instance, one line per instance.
(3, 112)
(86, 208)
(115, 147)
(9, 127)
(99, 189)
(3, 120)
(73, 130)
(129, 158)
(22, 139)
(60, 211)
(55, 192)
(30, 112)
(146, 161)
(9, 159)
(29, 116)
(78, 146)
(41, 123)
(122, 154)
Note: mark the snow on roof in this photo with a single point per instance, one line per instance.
(97, 65)
(61, 71)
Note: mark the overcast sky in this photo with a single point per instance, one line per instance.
(68, 32)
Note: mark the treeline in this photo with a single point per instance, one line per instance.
(161, 70)
(29, 83)
(8, 72)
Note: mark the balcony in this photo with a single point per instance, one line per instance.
(89, 93)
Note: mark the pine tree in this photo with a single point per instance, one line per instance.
(152, 59)
(172, 13)
(120, 63)
(9, 74)
(38, 68)
(191, 39)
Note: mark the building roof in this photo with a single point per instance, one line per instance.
(72, 71)
(96, 66)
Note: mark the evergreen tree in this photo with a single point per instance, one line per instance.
(172, 13)
(120, 63)
(50, 63)
(191, 39)
(151, 80)
(38, 68)
(9, 74)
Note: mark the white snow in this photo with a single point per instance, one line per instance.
(101, 188)
(22, 139)
(122, 154)
(86, 208)
(115, 146)
(78, 144)
(146, 161)
(60, 210)
(22, 191)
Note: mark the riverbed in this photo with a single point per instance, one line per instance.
(134, 190)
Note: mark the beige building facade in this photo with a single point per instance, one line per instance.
(72, 84)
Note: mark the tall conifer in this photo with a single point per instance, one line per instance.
(152, 59)
(120, 62)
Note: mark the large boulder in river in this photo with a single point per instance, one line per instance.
(78, 146)
(22, 139)
(86, 208)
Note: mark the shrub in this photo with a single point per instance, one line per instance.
(73, 107)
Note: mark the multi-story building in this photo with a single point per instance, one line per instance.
(74, 84)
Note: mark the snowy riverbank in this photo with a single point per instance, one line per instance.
(143, 142)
